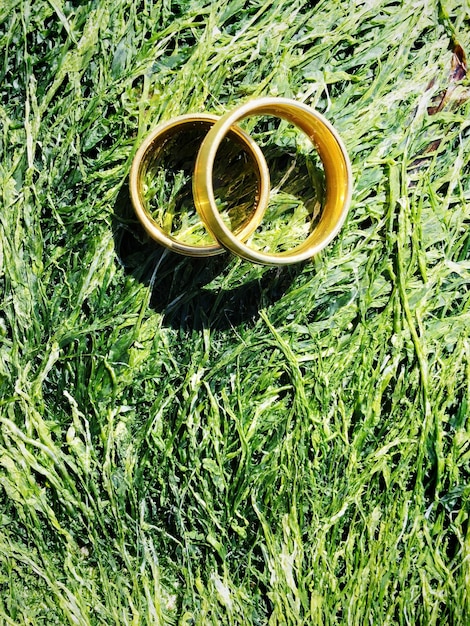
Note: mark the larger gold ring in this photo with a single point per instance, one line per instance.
(148, 153)
(336, 164)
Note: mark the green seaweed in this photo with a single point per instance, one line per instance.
(206, 441)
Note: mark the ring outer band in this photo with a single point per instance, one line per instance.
(143, 157)
(336, 165)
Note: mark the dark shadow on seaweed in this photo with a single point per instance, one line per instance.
(184, 289)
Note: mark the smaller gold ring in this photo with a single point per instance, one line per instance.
(336, 164)
(146, 155)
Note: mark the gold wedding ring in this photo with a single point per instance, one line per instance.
(337, 169)
(148, 154)
(231, 229)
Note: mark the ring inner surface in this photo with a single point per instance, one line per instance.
(167, 182)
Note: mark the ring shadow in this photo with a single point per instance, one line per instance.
(184, 289)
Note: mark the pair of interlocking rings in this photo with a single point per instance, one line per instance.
(325, 139)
